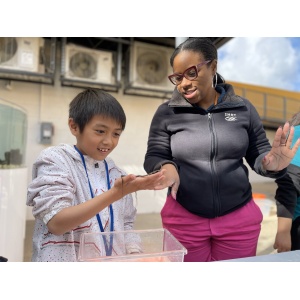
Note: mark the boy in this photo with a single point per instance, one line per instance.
(77, 189)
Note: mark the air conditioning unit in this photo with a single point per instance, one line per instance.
(85, 64)
(20, 53)
(150, 67)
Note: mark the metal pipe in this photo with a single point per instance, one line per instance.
(117, 40)
(119, 63)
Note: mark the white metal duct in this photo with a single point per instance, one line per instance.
(150, 67)
(84, 64)
(20, 53)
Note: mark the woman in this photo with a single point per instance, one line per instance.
(200, 137)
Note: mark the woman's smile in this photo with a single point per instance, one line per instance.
(190, 93)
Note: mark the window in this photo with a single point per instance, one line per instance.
(13, 133)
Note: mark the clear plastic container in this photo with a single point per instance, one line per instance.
(155, 245)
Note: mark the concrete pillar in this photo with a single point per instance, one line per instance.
(179, 40)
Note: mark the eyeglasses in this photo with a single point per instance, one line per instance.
(190, 73)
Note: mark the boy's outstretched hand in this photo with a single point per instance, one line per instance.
(132, 183)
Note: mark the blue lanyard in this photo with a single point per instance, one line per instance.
(108, 250)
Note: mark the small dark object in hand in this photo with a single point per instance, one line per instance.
(145, 174)
(3, 259)
(148, 174)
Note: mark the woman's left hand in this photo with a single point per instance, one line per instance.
(282, 151)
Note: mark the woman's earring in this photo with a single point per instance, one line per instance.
(216, 79)
(212, 82)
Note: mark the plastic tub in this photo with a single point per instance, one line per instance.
(155, 245)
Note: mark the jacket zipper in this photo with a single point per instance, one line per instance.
(215, 184)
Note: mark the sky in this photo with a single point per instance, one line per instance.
(267, 61)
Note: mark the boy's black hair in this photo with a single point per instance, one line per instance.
(93, 102)
(201, 45)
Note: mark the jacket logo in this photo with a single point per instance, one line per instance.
(230, 117)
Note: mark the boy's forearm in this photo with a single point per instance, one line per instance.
(71, 217)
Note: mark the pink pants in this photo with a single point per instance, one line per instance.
(234, 235)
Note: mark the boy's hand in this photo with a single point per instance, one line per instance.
(132, 183)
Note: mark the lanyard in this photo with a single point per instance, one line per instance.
(108, 250)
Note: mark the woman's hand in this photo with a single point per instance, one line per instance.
(282, 151)
(171, 178)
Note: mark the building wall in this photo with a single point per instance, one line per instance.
(274, 106)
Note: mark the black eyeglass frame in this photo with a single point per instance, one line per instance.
(196, 69)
